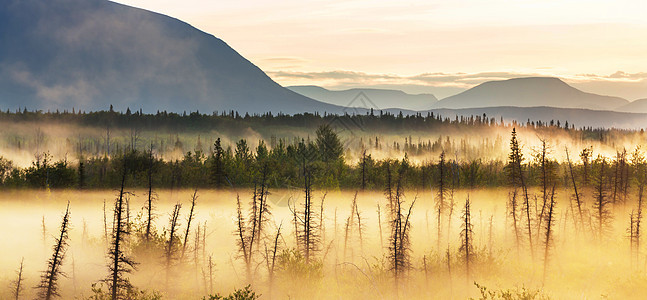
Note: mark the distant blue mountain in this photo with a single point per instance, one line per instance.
(529, 92)
(89, 54)
(379, 98)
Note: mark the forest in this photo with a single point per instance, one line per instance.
(338, 159)
(471, 207)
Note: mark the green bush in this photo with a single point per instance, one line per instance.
(239, 294)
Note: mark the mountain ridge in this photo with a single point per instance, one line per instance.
(528, 92)
(89, 54)
(638, 105)
(374, 97)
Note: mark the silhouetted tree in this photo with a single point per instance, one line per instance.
(48, 287)
(467, 238)
(120, 264)
(603, 216)
(515, 173)
(548, 238)
(17, 285)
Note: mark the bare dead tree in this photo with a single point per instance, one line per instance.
(263, 212)
(441, 199)
(360, 229)
(243, 239)
(271, 259)
(515, 222)
(640, 168)
(548, 238)
(546, 178)
(490, 236)
(307, 234)
(17, 285)
(516, 174)
(196, 250)
(120, 264)
(632, 234)
(250, 232)
(208, 286)
(576, 194)
(171, 245)
(43, 231)
(467, 238)
(379, 224)
(616, 178)
(48, 287)
(322, 220)
(151, 196)
(603, 215)
(399, 242)
(105, 222)
(194, 197)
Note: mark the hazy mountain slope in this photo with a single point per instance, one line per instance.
(88, 54)
(376, 98)
(529, 92)
(636, 106)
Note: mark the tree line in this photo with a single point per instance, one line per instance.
(239, 165)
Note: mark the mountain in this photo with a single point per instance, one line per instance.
(636, 106)
(89, 54)
(372, 98)
(529, 92)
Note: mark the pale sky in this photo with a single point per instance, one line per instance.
(440, 47)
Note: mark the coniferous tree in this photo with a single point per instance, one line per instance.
(217, 171)
(329, 146)
(585, 155)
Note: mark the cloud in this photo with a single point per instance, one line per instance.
(622, 84)
(284, 62)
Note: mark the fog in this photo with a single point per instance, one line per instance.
(580, 265)
(21, 142)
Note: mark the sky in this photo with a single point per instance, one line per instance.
(423, 46)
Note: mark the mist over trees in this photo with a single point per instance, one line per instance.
(335, 158)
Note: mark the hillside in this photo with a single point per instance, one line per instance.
(636, 106)
(89, 54)
(368, 98)
(529, 92)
